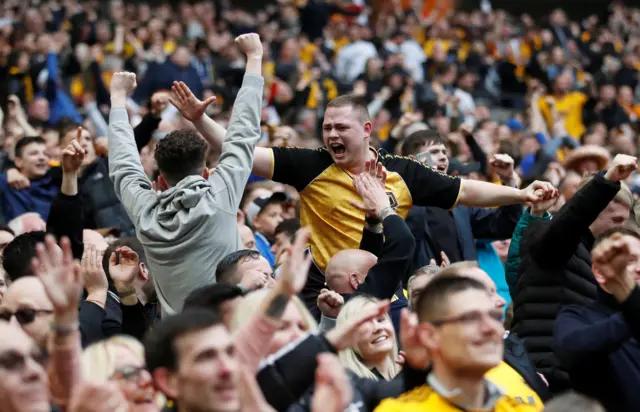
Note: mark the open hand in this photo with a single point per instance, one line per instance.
(621, 168)
(294, 272)
(189, 106)
(357, 328)
(60, 274)
(250, 45)
(73, 155)
(95, 279)
(414, 352)
(370, 186)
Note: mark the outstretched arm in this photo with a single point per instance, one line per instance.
(131, 184)
(193, 109)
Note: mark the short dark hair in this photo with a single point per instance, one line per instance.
(17, 256)
(179, 154)
(623, 230)
(434, 299)
(159, 344)
(414, 142)
(211, 296)
(132, 243)
(5, 228)
(289, 227)
(25, 141)
(65, 125)
(228, 266)
(358, 103)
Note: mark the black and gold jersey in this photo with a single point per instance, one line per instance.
(326, 189)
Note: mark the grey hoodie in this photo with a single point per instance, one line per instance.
(189, 228)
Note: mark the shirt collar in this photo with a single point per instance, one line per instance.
(492, 392)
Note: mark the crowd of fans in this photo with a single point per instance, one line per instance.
(322, 206)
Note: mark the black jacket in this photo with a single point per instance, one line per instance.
(598, 344)
(471, 223)
(287, 379)
(554, 271)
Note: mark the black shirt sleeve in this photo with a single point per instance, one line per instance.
(298, 166)
(427, 186)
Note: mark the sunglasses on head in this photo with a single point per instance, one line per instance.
(23, 316)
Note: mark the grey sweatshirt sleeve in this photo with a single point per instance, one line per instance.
(131, 184)
(236, 160)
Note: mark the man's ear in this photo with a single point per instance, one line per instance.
(205, 173)
(18, 162)
(241, 217)
(354, 281)
(163, 183)
(166, 382)
(368, 128)
(143, 272)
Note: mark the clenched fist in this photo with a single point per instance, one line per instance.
(621, 168)
(250, 45)
(122, 84)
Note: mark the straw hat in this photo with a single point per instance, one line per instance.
(588, 152)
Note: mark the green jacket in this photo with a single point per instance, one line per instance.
(513, 257)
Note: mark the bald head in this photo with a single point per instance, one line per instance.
(28, 293)
(348, 269)
(27, 222)
(471, 270)
(91, 237)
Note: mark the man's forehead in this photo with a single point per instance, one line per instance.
(192, 343)
(343, 114)
(468, 300)
(13, 337)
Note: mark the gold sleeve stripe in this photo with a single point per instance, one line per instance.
(459, 195)
(273, 164)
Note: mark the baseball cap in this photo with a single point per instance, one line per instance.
(260, 203)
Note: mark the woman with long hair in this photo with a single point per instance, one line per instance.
(374, 357)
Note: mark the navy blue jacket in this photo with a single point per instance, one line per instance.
(598, 344)
(161, 77)
(471, 224)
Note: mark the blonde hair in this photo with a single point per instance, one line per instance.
(351, 358)
(98, 360)
(251, 304)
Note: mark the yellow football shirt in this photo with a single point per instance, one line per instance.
(326, 189)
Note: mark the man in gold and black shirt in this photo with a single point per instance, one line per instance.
(324, 178)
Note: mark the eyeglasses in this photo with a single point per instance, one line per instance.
(14, 361)
(472, 317)
(24, 316)
(129, 373)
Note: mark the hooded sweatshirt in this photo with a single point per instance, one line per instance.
(189, 228)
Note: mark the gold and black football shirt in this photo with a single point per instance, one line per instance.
(326, 189)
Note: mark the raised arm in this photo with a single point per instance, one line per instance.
(193, 110)
(131, 184)
(238, 145)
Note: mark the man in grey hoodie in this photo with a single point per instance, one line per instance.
(189, 227)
